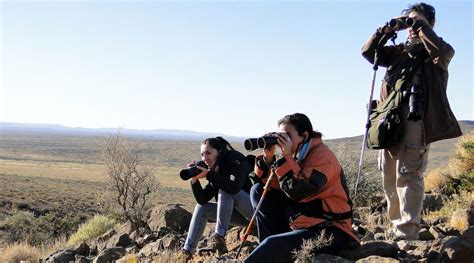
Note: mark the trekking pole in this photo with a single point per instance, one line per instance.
(369, 108)
(367, 124)
(249, 227)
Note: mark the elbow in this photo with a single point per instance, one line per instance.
(201, 201)
(233, 190)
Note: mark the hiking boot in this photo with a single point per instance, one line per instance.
(215, 244)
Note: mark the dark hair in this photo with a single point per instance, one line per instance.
(218, 143)
(426, 10)
(221, 145)
(301, 123)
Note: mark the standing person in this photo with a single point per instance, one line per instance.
(312, 198)
(227, 172)
(403, 164)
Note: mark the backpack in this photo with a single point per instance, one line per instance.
(385, 126)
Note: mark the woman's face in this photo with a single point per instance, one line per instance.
(294, 136)
(208, 155)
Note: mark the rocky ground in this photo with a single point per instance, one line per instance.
(439, 242)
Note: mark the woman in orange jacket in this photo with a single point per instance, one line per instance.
(309, 194)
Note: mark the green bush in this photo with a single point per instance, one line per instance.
(25, 227)
(93, 228)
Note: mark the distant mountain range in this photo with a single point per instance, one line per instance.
(166, 134)
(56, 129)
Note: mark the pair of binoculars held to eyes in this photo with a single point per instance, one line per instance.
(401, 23)
(252, 144)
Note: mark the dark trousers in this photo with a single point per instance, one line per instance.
(272, 217)
(279, 248)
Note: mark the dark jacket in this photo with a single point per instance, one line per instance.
(232, 176)
(439, 120)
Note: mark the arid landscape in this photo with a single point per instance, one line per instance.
(46, 173)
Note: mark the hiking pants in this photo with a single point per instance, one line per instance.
(230, 209)
(271, 218)
(402, 167)
(279, 248)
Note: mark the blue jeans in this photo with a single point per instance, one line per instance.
(272, 217)
(230, 209)
(279, 248)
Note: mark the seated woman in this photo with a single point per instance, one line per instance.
(226, 174)
(309, 194)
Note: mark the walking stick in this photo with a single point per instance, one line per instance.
(249, 227)
(369, 106)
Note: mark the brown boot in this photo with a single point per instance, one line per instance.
(215, 244)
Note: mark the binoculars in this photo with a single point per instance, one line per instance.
(192, 171)
(401, 22)
(261, 142)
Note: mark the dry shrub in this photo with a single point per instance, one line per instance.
(458, 175)
(131, 180)
(20, 252)
(306, 252)
(452, 204)
(373, 220)
(463, 161)
(370, 189)
(436, 180)
(460, 223)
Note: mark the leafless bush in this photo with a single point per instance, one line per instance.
(306, 252)
(132, 181)
(370, 188)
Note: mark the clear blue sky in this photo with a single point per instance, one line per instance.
(232, 67)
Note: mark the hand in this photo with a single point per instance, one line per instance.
(201, 175)
(191, 164)
(418, 22)
(269, 152)
(285, 143)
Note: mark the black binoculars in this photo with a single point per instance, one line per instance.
(401, 23)
(261, 142)
(192, 171)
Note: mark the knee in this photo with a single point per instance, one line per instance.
(198, 209)
(256, 191)
(224, 194)
(271, 242)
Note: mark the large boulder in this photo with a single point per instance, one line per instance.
(61, 256)
(68, 254)
(150, 249)
(377, 259)
(172, 216)
(327, 258)
(172, 242)
(372, 248)
(119, 240)
(459, 249)
(110, 255)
